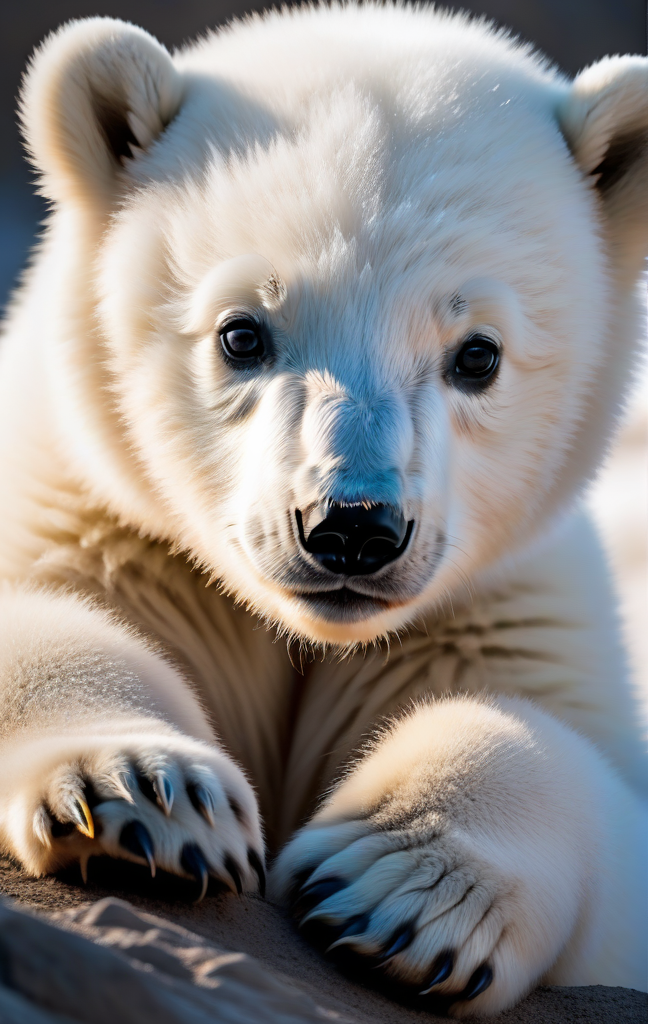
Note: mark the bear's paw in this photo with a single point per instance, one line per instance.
(165, 801)
(417, 911)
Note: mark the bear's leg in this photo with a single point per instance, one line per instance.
(105, 750)
(480, 846)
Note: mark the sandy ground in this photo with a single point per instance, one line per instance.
(279, 978)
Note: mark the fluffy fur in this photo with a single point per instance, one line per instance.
(372, 184)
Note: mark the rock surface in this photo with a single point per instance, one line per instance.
(228, 959)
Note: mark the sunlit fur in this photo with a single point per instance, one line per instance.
(373, 184)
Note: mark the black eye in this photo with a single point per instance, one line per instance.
(242, 342)
(476, 360)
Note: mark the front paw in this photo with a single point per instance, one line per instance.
(152, 797)
(422, 908)
(457, 857)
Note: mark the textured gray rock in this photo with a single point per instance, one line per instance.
(138, 969)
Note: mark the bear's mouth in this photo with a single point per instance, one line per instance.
(342, 605)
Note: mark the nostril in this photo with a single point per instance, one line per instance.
(356, 540)
(377, 549)
(325, 542)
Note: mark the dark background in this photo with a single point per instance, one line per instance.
(572, 32)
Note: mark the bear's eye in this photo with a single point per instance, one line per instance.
(242, 342)
(476, 361)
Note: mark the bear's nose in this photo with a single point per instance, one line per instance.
(356, 540)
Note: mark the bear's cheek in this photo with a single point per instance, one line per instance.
(502, 468)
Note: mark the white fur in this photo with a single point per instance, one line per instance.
(374, 183)
(512, 794)
(144, 715)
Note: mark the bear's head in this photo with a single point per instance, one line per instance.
(348, 294)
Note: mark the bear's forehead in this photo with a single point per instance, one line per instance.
(327, 123)
(359, 133)
(352, 183)
(412, 59)
(349, 184)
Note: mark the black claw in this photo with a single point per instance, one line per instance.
(257, 866)
(145, 785)
(232, 869)
(164, 792)
(135, 838)
(356, 926)
(399, 941)
(443, 966)
(193, 862)
(320, 891)
(478, 983)
(202, 801)
(299, 882)
(310, 895)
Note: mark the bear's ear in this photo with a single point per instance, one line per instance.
(95, 91)
(604, 118)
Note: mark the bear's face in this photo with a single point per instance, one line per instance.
(354, 356)
(394, 330)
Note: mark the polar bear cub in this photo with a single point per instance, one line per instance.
(329, 326)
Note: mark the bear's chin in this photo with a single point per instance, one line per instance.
(342, 617)
(342, 606)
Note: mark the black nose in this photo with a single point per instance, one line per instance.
(355, 540)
